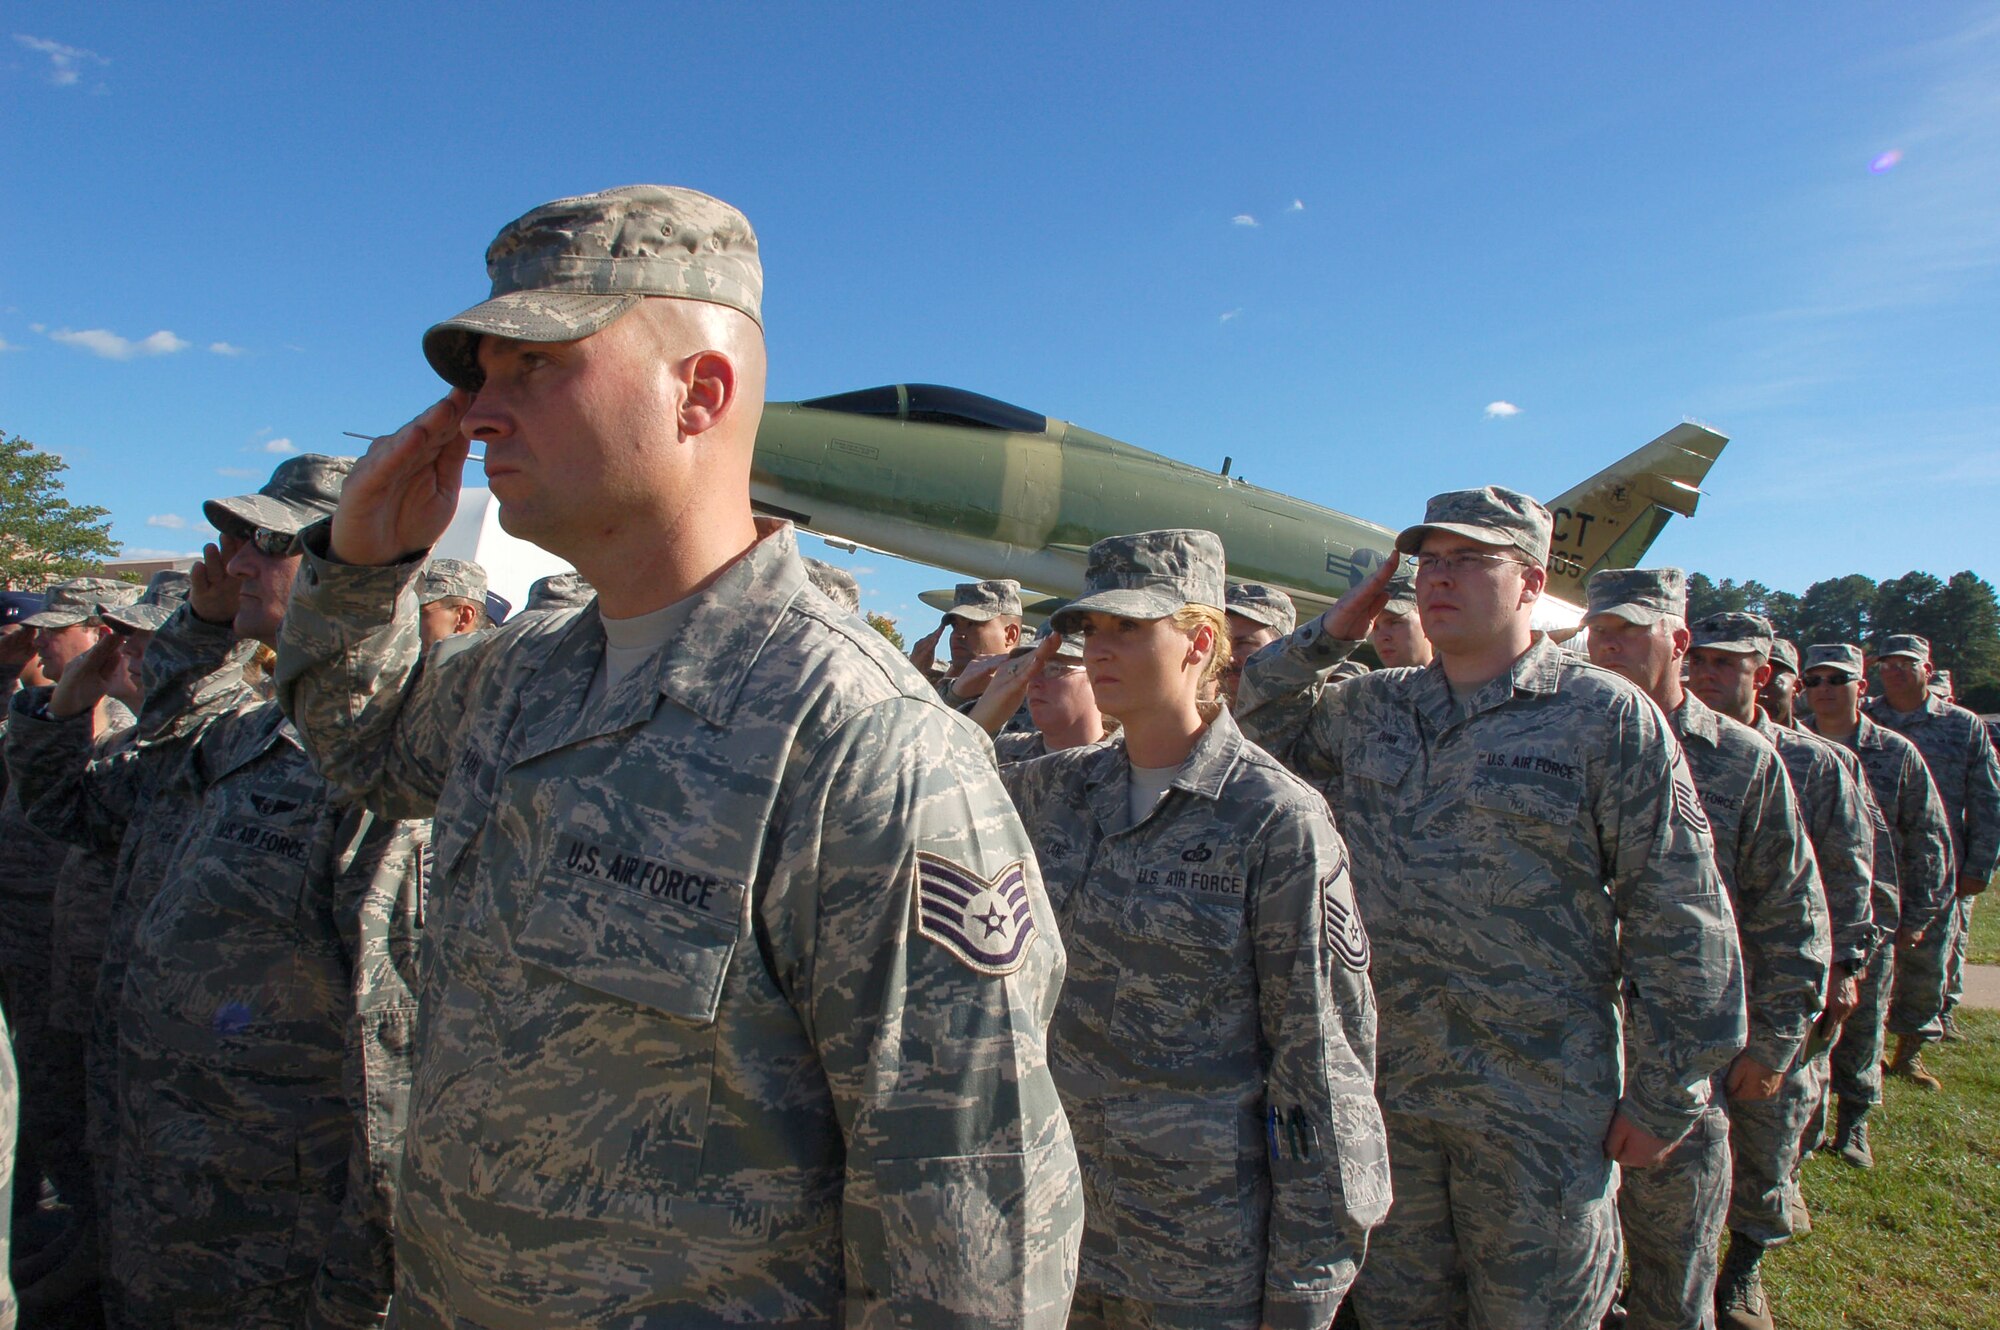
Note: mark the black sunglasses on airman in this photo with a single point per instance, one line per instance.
(271, 544)
(1826, 680)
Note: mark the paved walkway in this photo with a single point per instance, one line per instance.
(1982, 987)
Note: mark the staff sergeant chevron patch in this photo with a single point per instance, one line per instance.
(984, 923)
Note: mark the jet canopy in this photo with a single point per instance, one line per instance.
(932, 404)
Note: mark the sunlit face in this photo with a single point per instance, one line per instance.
(1139, 666)
(974, 638)
(1834, 697)
(1246, 638)
(1468, 609)
(129, 684)
(1903, 676)
(59, 647)
(1647, 654)
(1399, 640)
(1778, 695)
(264, 591)
(1728, 681)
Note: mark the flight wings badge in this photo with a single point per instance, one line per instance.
(984, 922)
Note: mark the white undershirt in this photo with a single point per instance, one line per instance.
(630, 643)
(1148, 786)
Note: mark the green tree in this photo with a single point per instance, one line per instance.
(886, 626)
(1968, 640)
(43, 536)
(1839, 609)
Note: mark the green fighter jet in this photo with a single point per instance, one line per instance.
(948, 477)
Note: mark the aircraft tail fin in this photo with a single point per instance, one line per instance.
(1612, 519)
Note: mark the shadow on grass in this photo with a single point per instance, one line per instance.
(1915, 1241)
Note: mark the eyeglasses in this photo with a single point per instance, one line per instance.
(271, 544)
(1060, 669)
(1460, 561)
(1825, 680)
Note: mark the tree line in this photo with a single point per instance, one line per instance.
(1960, 615)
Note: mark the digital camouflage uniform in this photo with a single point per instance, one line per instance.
(1960, 758)
(706, 1038)
(264, 1025)
(1738, 1161)
(1921, 838)
(10, 1105)
(1215, 1040)
(1523, 855)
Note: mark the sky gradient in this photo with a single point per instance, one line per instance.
(1323, 240)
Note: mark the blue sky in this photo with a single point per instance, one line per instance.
(1321, 239)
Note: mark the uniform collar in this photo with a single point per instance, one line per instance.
(1108, 772)
(1538, 670)
(1694, 719)
(1878, 706)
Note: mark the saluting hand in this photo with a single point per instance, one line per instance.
(403, 492)
(1349, 618)
(212, 592)
(17, 645)
(86, 680)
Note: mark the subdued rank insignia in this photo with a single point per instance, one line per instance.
(984, 922)
(1689, 804)
(1345, 937)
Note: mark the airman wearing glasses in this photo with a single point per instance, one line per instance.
(1920, 833)
(1527, 841)
(1967, 776)
(262, 1142)
(1048, 676)
(1674, 1214)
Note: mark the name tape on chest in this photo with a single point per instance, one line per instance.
(985, 923)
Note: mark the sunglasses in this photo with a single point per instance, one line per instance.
(1826, 680)
(271, 544)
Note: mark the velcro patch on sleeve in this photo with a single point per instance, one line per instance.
(1345, 937)
(985, 923)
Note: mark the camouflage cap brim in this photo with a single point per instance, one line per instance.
(1632, 614)
(1411, 539)
(138, 618)
(1270, 616)
(1126, 603)
(1735, 646)
(452, 347)
(258, 510)
(66, 616)
(975, 613)
(1907, 653)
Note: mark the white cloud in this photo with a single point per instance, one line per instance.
(100, 342)
(1231, 315)
(64, 61)
(225, 349)
(281, 446)
(1501, 410)
(1298, 205)
(238, 473)
(1243, 219)
(170, 521)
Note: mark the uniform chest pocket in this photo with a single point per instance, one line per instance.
(1525, 792)
(617, 914)
(1382, 762)
(271, 839)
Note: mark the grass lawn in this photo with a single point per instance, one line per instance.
(1984, 949)
(1915, 1241)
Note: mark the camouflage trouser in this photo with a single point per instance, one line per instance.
(1765, 1138)
(1954, 965)
(24, 989)
(1490, 1230)
(1094, 1310)
(10, 1102)
(1672, 1216)
(1857, 1057)
(1819, 1093)
(1917, 1004)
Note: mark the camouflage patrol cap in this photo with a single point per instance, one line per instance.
(66, 604)
(1907, 645)
(1784, 654)
(1149, 575)
(1494, 515)
(569, 268)
(163, 595)
(301, 490)
(976, 602)
(1838, 656)
(1263, 604)
(1735, 631)
(837, 583)
(444, 578)
(1402, 593)
(558, 591)
(1640, 596)
(1940, 685)
(1071, 648)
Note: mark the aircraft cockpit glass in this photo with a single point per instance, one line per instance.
(932, 404)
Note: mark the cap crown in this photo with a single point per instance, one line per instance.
(1907, 644)
(442, 578)
(987, 600)
(1493, 514)
(1651, 592)
(1735, 630)
(1835, 655)
(1785, 654)
(661, 240)
(1263, 604)
(1184, 563)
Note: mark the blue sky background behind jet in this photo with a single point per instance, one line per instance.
(1371, 252)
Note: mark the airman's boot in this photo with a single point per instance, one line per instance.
(1909, 1063)
(1740, 1303)
(1850, 1134)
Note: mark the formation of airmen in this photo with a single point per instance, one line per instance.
(676, 953)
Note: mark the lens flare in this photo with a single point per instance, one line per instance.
(1886, 161)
